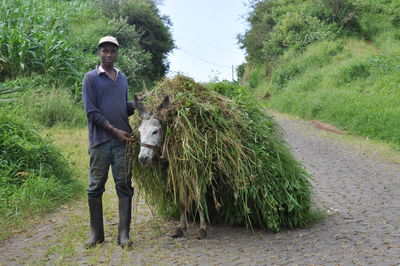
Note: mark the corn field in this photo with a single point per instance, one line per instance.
(34, 37)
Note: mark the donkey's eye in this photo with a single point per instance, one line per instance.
(155, 132)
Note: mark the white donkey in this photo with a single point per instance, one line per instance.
(151, 133)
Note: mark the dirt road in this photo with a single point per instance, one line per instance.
(353, 180)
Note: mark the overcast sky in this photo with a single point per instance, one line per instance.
(205, 35)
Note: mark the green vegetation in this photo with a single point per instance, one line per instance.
(41, 103)
(333, 60)
(34, 176)
(33, 38)
(228, 153)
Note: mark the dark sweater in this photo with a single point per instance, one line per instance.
(105, 101)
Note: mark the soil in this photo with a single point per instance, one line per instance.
(356, 184)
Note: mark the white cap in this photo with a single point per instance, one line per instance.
(109, 39)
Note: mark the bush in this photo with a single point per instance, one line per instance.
(24, 151)
(353, 71)
(344, 13)
(296, 31)
(153, 31)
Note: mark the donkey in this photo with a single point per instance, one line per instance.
(150, 140)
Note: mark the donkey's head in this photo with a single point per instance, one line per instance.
(150, 131)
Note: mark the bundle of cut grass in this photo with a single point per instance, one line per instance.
(222, 147)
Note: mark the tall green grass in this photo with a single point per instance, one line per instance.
(39, 101)
(53, 107)
(34, 176)
(34, 38)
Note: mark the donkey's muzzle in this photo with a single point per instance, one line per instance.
(144, 160)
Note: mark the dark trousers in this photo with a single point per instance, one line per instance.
(111, 153)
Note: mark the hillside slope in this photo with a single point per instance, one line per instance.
(333, 60)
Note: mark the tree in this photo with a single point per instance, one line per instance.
(153, 30)
(261, 25)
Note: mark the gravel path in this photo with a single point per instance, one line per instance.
(356, 184)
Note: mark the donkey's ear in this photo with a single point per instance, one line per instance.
(165, 103)
(163, 110)
(140, 107)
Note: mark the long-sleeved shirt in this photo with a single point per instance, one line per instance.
(105, 101)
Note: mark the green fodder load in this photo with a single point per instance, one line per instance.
(228, 153)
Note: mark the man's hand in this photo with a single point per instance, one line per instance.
(121, 135)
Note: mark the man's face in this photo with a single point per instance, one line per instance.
(108, 54)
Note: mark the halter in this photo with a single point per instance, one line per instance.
(154, 147)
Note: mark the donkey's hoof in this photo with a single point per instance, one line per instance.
(202, 233)
(178, 233)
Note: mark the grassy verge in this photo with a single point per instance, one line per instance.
(26, 204)
(352, 84)
(73, 145)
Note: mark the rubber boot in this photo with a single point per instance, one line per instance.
(96, 221)
(125, 214)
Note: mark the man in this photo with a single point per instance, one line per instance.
(105, 98)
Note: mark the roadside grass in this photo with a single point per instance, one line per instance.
(356, 89)
(42, 103)
(51, 108)
(381, 150)
(40, 195)
(73, 145)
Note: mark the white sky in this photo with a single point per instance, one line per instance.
(205, 35)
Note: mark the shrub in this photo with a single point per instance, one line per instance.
(132, 59)
(152, 28)
(154, 31)
(343, 13)
(296, 31)
(353, 71)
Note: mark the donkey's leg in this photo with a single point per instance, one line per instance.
(203, 225)
(182, 223)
